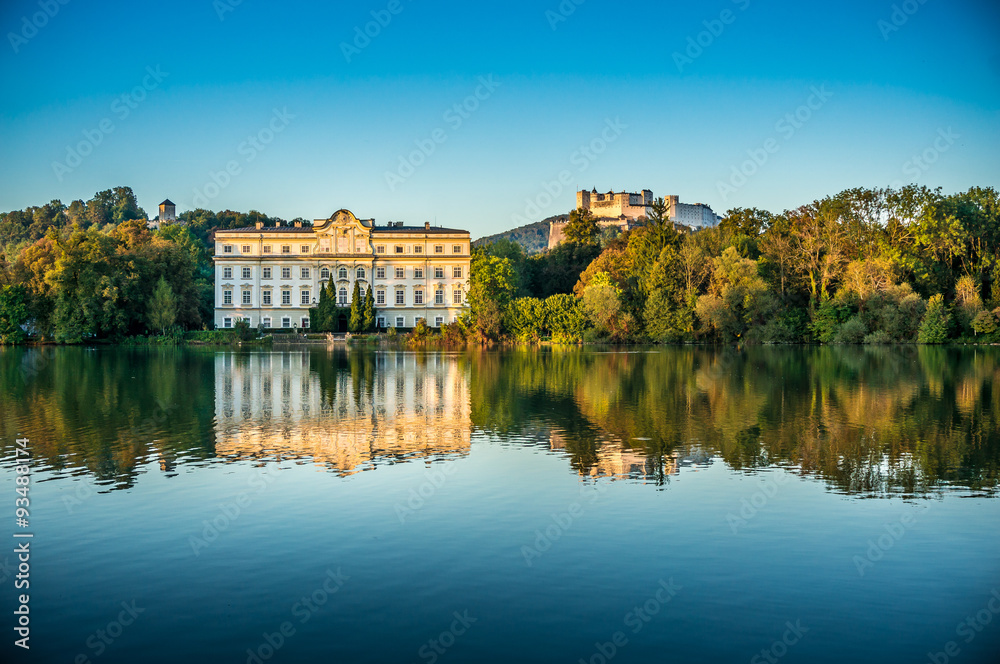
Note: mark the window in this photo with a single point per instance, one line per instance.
(458, 296)
(456, 249)
(227, 273)
(304, 297)
(266, 321)
(418, 296)
(418, 273)
(360, 273)
(400, 321)
(417, 249)
(304, 323)
(438, 321)
(342, 273)
(304, 248)
(246, 273)
(304, 273)
(267, 248)
(400, 273)
(227, 322)
(380, 296)
(438, 248)
(286, 297)
(342, 296)
(266, 273)
(286, 273)
(286, 322)
(380, 322)
(380, 249)
(399, 248)
(324, 273)
(400, 297)
(227, 248)
(266, 299)
(380, 273)
(286, 249)
(227, 297)
(439, 296)
(456, 272)
(246, 298)
(416, 321)
(439, 273)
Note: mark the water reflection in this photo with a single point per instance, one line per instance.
(345, 411)
(872, 421)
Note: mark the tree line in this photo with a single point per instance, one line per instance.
(863, 266)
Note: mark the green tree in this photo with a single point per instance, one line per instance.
(602, 304)
(526, 320)
(14, 314)
(565, 318)
(162, 307)
(936, 323)
(368, 314)
(356, 321)
(492, 286)
(581, 228)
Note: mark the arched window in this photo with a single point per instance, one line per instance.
(324, 273)
(342, 297)
(360, 273)
(342, 274)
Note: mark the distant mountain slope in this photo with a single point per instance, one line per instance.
(533, 237)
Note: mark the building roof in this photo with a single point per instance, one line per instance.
(417, 229)
(268, 229)
(168, 202)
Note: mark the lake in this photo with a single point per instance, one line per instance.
(764, 504)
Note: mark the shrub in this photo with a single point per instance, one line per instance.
(879, 337)
(851, 332)
(936, 323)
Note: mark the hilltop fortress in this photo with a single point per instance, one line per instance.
(626, 210)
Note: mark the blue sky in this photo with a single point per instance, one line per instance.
(613, 95)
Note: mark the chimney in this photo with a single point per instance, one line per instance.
(427, 225)
(298, 224)
(260, 225)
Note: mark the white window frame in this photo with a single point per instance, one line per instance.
(438, 321)
(227, 323)
(438, 296)
(286, 273)
(418, 297)
(417, 249)
(246, 273)
(380, 296)
(380, 322)
(400, 321)
(266, 273)
(456, 272)
(400, 272)
(286, 322)
(266, 298)
(304, 248)
(418, 273)
(380, 273)
(266, 321)
(227, 296)
(227, 248)
(304, 323)
(456, 248)
(267, 248)
(380, 249)
(400, 297)
(286, 248)
(304, 273)
(360, 273)
(305, 297)
(439, 273)
(457, 296)
(342, 296)
(286, 297)
(246, 249)
(247, 298)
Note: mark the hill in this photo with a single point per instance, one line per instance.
(533, 237)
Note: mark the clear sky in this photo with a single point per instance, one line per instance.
(310, 117)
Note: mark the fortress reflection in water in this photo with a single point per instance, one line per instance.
(344, 413)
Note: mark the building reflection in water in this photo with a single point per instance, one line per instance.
(345, 413)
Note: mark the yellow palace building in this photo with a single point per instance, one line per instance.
(272, 276)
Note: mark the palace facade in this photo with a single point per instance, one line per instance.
(272, 276)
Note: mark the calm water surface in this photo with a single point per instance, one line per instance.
(675, 505)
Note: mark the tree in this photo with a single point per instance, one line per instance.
(368, 313)
(356, 322)
(492, 286)
(564, 318)
(936, 323)
(527, 319)
(162, 307)
(14, 314)
(581, 228)
(602, 303)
